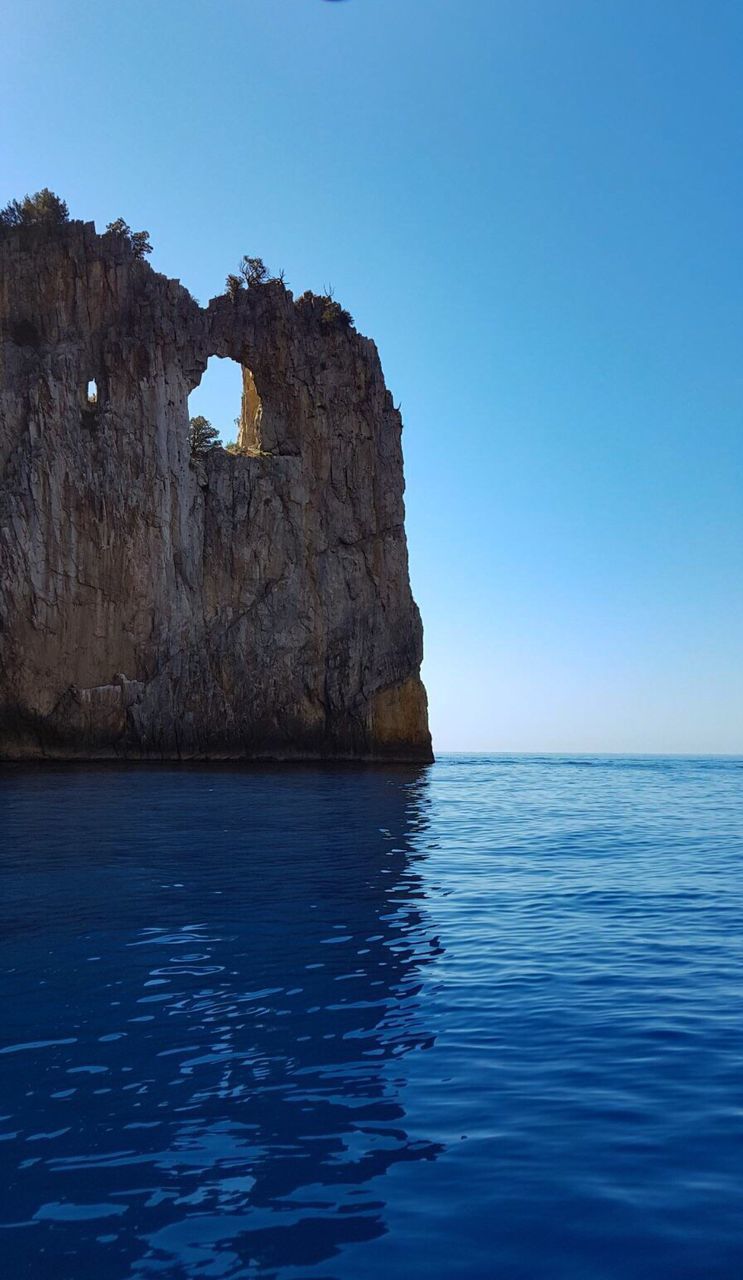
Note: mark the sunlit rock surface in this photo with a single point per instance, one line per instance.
(159, 606)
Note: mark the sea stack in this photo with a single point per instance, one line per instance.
(156, 604)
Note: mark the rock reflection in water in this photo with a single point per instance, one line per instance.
(229, 967)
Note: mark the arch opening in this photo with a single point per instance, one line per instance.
(90, 404)
(226, 408)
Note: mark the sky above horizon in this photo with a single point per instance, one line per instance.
(534, 210)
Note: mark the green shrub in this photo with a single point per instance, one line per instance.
(203, 436)
(329, 312)
(334, 314)
(42, 209)
(253, 271)
(138, 241)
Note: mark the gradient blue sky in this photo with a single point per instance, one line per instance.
(534, 207)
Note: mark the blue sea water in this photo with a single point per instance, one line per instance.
(482, 1019)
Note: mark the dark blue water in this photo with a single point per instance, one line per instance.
(482, 1019)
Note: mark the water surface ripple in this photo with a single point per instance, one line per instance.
(479, 1019)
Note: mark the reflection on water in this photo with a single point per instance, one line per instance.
(233, 1046)
(214, 978)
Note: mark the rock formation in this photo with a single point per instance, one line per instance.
(156, 605)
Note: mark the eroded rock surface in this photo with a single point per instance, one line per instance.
(155, 605)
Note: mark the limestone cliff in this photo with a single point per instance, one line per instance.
(153, 605)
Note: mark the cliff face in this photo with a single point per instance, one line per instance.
(155, 605)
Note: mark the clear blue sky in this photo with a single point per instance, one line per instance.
(534, 207)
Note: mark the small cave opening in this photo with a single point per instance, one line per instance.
(90, 404)
(225, 409)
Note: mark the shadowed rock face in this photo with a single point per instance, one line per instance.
(155, 605)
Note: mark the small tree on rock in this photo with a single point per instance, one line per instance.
(42, 209)
(324, 307)
(253, 271)
(203, 436)
(138, 241)
(334, 314)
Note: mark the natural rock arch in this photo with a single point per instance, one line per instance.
(155, 605)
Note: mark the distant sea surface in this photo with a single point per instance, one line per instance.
(481, 1020)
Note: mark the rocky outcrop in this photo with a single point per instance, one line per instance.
(153, 605)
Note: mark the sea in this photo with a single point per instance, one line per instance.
(478, 1020)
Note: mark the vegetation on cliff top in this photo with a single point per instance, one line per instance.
(138, 241)
(324, 305)
(44, 208)
(251, 271)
